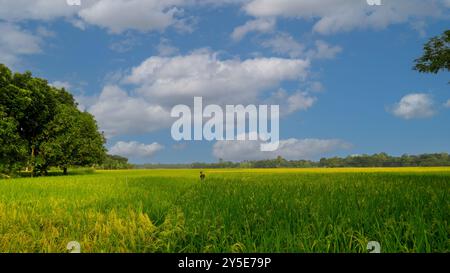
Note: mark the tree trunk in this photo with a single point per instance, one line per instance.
(65, 170)
(32, 160)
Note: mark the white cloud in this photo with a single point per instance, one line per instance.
(85, 102)
(284, 44)
(115, 76)
(163, 82)
(165, 49)
(420, 26)
(299, 101)
(292, 149)
(343, 15)
(45, 32)
(78, 23)
(447, 104)
(19, 10)
(120, 15)
(324, 51)
(315, 86)
(174, 80)
(114, 15)
(416, 105)
(154, 15)
(259, 25)
(118, 113)
(290, 103)
(16, 42)
(124, 45)
(61, 84)
(135, 149)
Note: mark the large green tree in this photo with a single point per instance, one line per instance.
(71, 138)
(436, 56)
(32, 110)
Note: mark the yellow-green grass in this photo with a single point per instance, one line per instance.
(237, 210)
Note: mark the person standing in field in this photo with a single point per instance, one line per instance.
(202, 176)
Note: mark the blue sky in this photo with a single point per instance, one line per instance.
(341, 70)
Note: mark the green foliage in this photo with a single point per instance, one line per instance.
(375, 160)
(384, 160)
(43, 126)
(436, 56)
(115, 162)
(13, 149)
(71, 138)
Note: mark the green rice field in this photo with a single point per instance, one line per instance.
(267, 210)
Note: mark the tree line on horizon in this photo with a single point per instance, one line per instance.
(355, 161)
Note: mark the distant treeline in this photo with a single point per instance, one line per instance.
(115, 162)
(375, 160)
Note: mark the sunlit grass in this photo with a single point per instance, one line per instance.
(257, 210)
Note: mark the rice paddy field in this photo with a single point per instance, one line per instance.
(280, 210)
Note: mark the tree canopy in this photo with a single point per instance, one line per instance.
(436, 56)
(41, 127)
